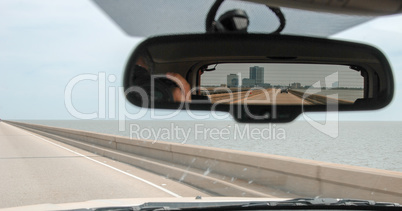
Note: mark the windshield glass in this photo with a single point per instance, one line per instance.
(68, 134)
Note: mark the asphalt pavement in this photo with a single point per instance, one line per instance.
(37, 170)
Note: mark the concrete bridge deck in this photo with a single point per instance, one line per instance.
(36, 170)
(59, 161)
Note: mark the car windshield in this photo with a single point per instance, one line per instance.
(68, 134)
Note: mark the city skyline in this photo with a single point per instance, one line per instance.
(272, 74)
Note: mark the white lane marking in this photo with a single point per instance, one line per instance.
(116, 169)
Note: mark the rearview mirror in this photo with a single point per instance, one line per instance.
(255, 77)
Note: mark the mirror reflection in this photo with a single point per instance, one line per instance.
(277, 83)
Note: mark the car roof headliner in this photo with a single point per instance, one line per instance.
(144, 18)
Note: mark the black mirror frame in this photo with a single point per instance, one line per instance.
(180, 49)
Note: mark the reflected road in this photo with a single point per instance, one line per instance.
(259, 96)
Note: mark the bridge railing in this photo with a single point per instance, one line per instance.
(318, 99)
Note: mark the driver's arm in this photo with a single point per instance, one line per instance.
(182, 93)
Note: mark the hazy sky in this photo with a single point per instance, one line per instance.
(45, 45)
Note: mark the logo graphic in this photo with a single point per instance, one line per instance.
(331, 124)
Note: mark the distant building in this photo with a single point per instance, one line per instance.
(257, 73)
(266, 85)
(247, 82)
(232, 80)
(295, 85)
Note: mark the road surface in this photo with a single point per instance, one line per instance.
(260, 96)
(37, 170)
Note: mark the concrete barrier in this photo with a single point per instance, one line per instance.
(319, 99)
(236, 173)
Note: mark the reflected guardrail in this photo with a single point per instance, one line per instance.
(318, 99)
(232, 172)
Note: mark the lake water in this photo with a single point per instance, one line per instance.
(368, 144)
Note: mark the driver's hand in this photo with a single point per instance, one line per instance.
(182, 92)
